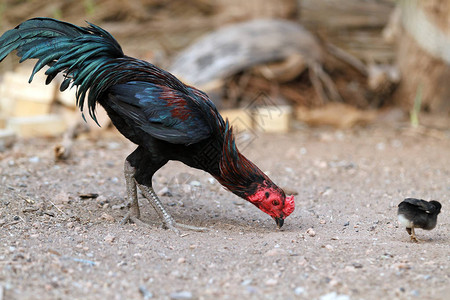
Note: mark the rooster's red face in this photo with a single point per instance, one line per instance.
(273, 202)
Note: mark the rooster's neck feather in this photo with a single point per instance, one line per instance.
(238, 174)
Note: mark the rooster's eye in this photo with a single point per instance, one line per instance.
(275, 202)
(267, 195)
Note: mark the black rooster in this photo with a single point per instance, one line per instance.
(167, 119)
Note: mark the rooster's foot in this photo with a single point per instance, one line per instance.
(133, 219)
(168, 221)
(175, 227)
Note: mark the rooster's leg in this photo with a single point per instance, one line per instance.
(168, 221)
(134, 213)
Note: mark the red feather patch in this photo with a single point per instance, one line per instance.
(179, 107)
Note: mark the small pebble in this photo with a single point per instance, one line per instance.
(327, 192)
(381, 146)
(176, 274)
(113, 146)
(271, 282)
(401, 266)
(349, 269)
(181, 295)
(49, 213)
(251, 289)
(299, 291)
(101, 199)
(334, 296)
(109, 238)
(195, 183)
(181, 260)
(329, 247)
(310, 232)
(165, 192)
(145, 293)
(107, 217)
(276, 252)
(357, 265)
(34, 159)
(334, 282)
(246, 282)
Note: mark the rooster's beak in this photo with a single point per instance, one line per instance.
(279, 221)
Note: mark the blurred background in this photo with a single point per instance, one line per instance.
(339, 63)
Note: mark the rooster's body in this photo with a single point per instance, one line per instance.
(167, 119)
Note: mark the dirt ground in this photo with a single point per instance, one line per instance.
(342, 241)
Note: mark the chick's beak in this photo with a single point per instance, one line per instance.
(279, 221)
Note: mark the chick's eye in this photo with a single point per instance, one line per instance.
(275, 202)
(267, 195)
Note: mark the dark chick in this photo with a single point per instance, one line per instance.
(416, 213)
(165, 118)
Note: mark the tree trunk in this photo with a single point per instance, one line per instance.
(423, 55)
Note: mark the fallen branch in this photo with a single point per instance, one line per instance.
(347, 58)
(64, 150)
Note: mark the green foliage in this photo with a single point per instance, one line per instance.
(57, 13)
(89, 7)
(2, 13)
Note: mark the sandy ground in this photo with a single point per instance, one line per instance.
(342, 241)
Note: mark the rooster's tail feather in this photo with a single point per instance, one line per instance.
(81, 53)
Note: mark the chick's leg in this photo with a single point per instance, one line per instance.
(413, 235)
(168, 221)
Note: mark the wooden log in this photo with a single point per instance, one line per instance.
(353, 25)
(16, 86)
(423, 55)
(27, 108)
(338, 115)
(3, 120)
(272, 118)
(18, 98)
(240, 119)
(63, 150)
(67, 97)
(7, 138)
(239, 46)
(37, 126)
